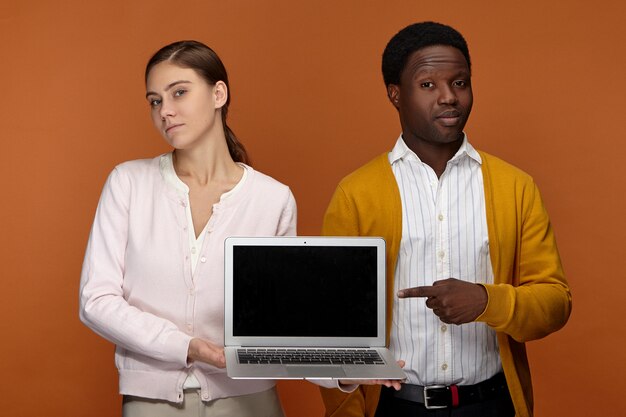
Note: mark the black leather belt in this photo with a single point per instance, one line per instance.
(442, 396)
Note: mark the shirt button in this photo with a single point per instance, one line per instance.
(442, 254)
(444, 366)
(205, 396)
(189, 327)
(444, 328)
(203, 259)
(440, 217)
(193, 250)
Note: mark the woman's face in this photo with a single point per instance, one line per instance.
(185, 109)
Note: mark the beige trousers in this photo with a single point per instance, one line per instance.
(261, 404)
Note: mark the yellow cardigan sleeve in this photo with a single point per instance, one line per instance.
(530, 298)
(340, 218)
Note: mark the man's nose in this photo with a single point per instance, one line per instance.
(447, 95)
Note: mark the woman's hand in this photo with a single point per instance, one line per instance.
(389, 383)
(203, 351)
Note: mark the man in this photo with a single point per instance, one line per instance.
(472, 264)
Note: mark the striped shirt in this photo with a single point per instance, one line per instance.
(444, 235)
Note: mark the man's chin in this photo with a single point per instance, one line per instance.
(450, 138)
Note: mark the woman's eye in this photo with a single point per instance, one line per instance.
(179, 93)
(155, 102)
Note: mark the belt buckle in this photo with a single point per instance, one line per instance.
(426, 397)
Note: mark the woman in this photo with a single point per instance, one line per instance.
(152, 279)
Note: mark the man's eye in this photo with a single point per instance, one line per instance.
(427, 84)
(460, 83)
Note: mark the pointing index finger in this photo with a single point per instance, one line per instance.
(424, 291)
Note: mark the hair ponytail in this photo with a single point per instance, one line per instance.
(237, 150)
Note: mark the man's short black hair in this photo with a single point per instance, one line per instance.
(413, 38)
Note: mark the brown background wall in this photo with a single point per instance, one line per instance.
(310, 105)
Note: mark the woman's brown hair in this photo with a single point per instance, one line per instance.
(202, 59)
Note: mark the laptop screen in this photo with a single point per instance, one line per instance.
(304, 291)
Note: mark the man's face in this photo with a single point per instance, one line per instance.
(434, 97)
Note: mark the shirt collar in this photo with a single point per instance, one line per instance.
(169, 175)
(402, 151)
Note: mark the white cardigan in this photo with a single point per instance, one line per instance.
(137, 289)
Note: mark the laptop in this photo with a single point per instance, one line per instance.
(306, 308)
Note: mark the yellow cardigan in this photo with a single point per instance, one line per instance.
(530, 297)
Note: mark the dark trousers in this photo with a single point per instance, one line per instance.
(390, 406)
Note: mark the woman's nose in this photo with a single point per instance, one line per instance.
(166, 110)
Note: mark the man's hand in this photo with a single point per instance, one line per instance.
(389, 383)
(452, 300)
(203, 351)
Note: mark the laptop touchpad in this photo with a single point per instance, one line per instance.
(315, 371)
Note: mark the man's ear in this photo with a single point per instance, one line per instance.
(393, 93)
(221, 94)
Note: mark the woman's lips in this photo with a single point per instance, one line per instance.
(168, 129)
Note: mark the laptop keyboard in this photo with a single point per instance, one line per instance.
(310, 356)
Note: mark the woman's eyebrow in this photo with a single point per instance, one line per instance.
(169, 86)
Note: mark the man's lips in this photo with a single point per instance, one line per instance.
(449, 114)
(449, 118)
